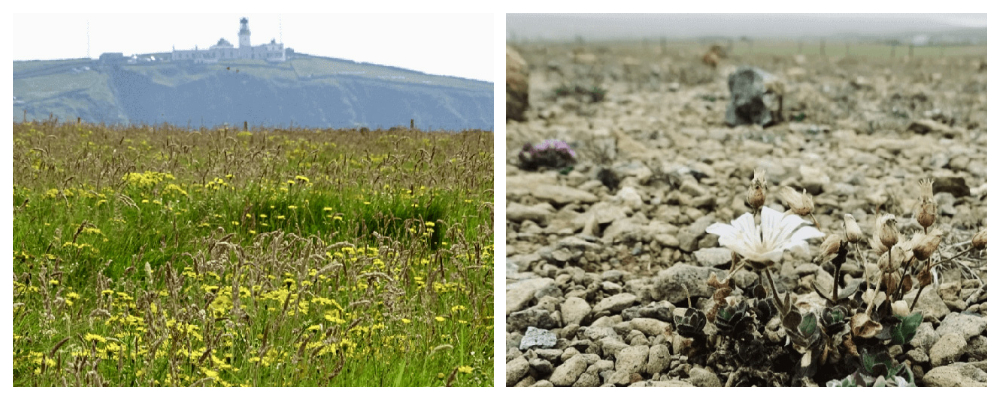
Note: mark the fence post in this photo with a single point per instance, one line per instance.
(78, 120)
(244, 125)
(411, 124)
(25, 115)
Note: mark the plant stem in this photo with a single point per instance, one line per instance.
(916, 298)
(774, 291)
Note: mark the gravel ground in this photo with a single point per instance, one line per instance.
(601, 257)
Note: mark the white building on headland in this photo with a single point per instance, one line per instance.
(223, 50)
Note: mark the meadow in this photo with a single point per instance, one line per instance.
(165, 256)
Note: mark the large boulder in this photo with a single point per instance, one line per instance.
(517, 85)
(755, 98)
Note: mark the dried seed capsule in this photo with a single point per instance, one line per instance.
(925, 245)
(829, 249)
(885, 228)
(798, 203)
(979, 241)
(851, 229)
(758, 190)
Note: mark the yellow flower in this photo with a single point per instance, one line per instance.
(263, 216)
(90, 337)
(327, 208)
(293, 207)
(465, 369)
(439, 319)
(405, 321)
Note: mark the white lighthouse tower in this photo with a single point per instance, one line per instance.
(244, 33)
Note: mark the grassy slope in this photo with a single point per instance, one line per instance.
(46, 84)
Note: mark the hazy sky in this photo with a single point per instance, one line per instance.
(608, 26)
(442, 44)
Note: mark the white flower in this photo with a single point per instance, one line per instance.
(765, 243)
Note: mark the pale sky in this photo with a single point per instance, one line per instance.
(689, 25)
(441, 44)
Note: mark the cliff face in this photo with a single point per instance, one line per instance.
(307, 91)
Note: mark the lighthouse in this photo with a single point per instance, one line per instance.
(244, 33)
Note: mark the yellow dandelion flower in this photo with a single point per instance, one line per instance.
(465, 369)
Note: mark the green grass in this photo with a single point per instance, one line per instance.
(356, 260)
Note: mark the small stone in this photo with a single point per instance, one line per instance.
(948, 349)
(588, 379)
(516, 369)
(574, 310)
(631, 359)
(541, 366)
(536, 317)
(955, 375)
(567, 373)
(560, 195)
(539, 212)
(520, 293)
(675, 283)
(535, 337)
(649, 326)
(966, 325)
(703, 378)
(714, 257)
(659, 359)
(615, 304)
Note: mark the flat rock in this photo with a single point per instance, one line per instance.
(606, 213)
(539, 212)
(966, 325)
(520, 293)
(948, 349)
(670, 284)
(714, 257)
(535, 337)
(536, 317)
(649, 326)
(952, 184)
(955, 375)
(560, 195)
(615, 304)
(929, 303)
